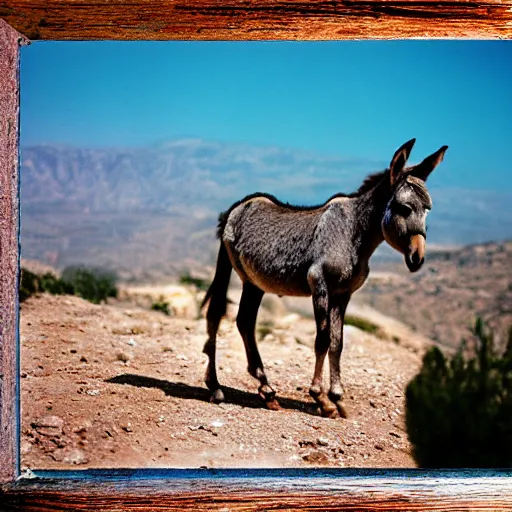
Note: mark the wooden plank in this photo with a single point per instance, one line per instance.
(262, 19)
(252, 490)
(257, 19)
(9, 220)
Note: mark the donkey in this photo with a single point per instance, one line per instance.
(319, 251)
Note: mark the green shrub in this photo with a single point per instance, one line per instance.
(92, 284)
(459, 410)
(199, 283)
(162, 306)
(264, 328)
(30, 284)
(361, 323)
(52, 284)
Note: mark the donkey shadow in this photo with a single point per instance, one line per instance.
(232, 395)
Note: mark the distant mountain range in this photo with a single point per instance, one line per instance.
(154, 208)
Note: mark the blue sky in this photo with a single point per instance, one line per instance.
(349, 99)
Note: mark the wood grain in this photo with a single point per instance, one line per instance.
(257, 19)
(9, 220)
(254, 490)
(212, 20)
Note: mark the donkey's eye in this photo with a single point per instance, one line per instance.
(402, 209)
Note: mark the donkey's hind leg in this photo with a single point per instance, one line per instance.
(213, 318)
(322, 340)
(246, 323)
(337, 316)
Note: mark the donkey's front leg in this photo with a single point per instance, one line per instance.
(337, 317)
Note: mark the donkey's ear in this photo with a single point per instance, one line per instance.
(423, 170)
(400, 159)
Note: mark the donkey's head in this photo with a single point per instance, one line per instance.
(404, 222)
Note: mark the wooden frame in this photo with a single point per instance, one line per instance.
(213, 489)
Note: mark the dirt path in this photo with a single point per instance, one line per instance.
(105, 386)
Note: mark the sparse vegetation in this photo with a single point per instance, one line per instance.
(92, 284)
(361, 323)
(31, 283)
(95, 285)
(162, 306)
(264, 328)
(198, 282)
(458, 410)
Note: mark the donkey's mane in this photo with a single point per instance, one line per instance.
(369, 183)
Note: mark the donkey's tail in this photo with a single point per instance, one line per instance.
(216, 295)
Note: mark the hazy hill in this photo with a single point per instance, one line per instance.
(151, 211)
(444, 298)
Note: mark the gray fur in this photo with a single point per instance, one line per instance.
(321, 251)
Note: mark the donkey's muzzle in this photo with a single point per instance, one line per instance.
(415, 256)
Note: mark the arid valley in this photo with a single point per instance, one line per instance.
(120, 384)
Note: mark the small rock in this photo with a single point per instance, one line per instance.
(48, 426)
(321, 441)
(379, 447)
(394, 434)
(132, 342)
(372, 403)
(123, 356)
(80, 430)
(83, 359)
(127, 427)
(316, 457)
(216, 423)
(93, 392)
(25, 447)
(75, 456)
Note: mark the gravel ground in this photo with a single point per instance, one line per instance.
(119, 386)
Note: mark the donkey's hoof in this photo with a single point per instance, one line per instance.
(315, 392)
(329, 411)
(267, 393)
(217, 396)
(273, 405)
(341, 410)
(326, 408)
(336, 396)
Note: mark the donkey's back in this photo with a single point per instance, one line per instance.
(271, 244)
